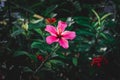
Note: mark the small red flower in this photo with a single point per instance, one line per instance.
(40, 58)
(98, 61)
(50, 20)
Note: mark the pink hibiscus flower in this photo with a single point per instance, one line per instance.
(59, 34)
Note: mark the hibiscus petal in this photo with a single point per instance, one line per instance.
(61, 26)
(64, 43)
(69, 35)
(51, 30)
(51, 39)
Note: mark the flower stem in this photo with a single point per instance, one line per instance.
(47, 57)
(39, 67)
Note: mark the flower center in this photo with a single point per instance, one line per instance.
(59, 36)
(59, 32)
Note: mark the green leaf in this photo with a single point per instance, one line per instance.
(77, 5)
(50, 9)
(17, 32)
(53, 64)
(98, 17)
(38, 30)
(110, 24)
(20, 53)
(27, 69)
(48, 66)
(36, 26)
(75, 61)
(105, 16)
(103, 35)
(84, 47)
(102, 20)
(56, 62)
(36, 45)
(85, 32)
(61, 56)
(108, 38)
(83, 21)
(41, 46)
(33, 57)
(36, 21)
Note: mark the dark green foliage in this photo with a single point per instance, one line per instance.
(23, 39)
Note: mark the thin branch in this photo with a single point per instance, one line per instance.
(48, 56)
(42, 63)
